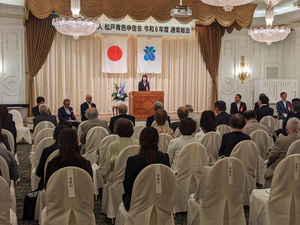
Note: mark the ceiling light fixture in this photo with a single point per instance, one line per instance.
(269, 34)
(226, 4)
(271, 2)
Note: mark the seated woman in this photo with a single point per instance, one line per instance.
(4, 140)
(149, 154)
(230, 140)
(7, 123)
(69, 154)
(123, 128)
(208, 123)
(161, 117)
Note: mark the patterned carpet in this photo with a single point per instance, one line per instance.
(24, 188)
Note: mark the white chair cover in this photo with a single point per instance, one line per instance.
(79, 131)
(151, 202)
(41, 125)
(177, 133)
(269, 123)
(280, 204)
(69, 198)
(247, 152)
(279, 124)
(22, 132)
(93, 140)
(46, 142)
(223, 129)
(212, 142)
(7, 215)
(137, 132)
(224, 180)
(197, 126)
(294, 148)
(191, 161)
(11, 140)
(101, 171)
(113, 189)
(154, 124)
(260, 138)
(6, 176)
(2, 146)
(164, 140)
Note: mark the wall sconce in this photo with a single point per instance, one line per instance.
(243, 72)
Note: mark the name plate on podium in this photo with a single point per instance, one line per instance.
(141, 103)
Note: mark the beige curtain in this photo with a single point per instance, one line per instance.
(73, 69)
(142, 9)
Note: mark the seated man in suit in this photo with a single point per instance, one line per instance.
(251, 123)
(191, 114)
(280, 148)
(182, 112)
(122, 114)
(283, 106)
(238, 106)
(84, 106)
(264, 109)
(294, 113)
(35, 110)
(92, 115)
(222, 116)
(66, 115)
(256, 103)
(156, 105)
(44, 116)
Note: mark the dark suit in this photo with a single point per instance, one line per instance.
(230, 140)
(44, 117)
(9, 124)
(234, 109)
(40, 169)
(263, 111)
(142, 87)
(36, 111)
(281, 109)
(150, 120)
(223, 118)
(174, 125)
(63, 117)
(133, 168)
(114, 119)
(83, 107)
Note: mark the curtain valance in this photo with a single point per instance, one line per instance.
(141, 10)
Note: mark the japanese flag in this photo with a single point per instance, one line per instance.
(114, 54)
(149, 54)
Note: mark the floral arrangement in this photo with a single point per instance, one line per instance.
(119, 94)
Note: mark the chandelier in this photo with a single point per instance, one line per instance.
(269, 34)
(271, 2)
(76, 25)
(226, 4)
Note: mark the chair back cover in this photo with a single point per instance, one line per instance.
(104, 147)
(223, 129)
(46, 142)
(177, 133)
(154, 124)
(94, 138)
(284, 200)
(197, 126)
(10, 138)
(2, 145)
(44, 133)
(164, 140)
(41, 125)
(247, 152)
(69, 197)
(50, 157)
(191, 161)
(212, 142)
(222, 202)
(17, 117)
(5, 202)
(137, 132)
(269, 123)
(79, 131)
(294, 148)
(4, 170)
(153, 197)
(260, 138)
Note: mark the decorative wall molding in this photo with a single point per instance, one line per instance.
(12, 85)
(227, 85)
(11, 21)
(11, 9)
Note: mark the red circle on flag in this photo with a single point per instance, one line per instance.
(114, 53)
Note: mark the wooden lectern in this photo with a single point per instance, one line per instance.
(141, 103)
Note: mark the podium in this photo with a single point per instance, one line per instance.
(141, 103)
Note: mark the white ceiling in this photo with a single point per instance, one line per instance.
(13, 2)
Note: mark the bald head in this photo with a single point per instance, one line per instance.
(88, 98)
(182, 112)
(91, 113)
(123, 109)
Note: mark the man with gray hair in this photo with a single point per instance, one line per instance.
(44, 116)
(92, 115)
(190, 109)
(280, 148)
(84, 106)
(156, 105)
(123, 109)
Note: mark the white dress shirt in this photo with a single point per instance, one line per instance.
(68, 111)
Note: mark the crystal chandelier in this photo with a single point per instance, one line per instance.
(226, 4)
(76, 25)
(269, 34)
(271, 2)
(269, 17)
